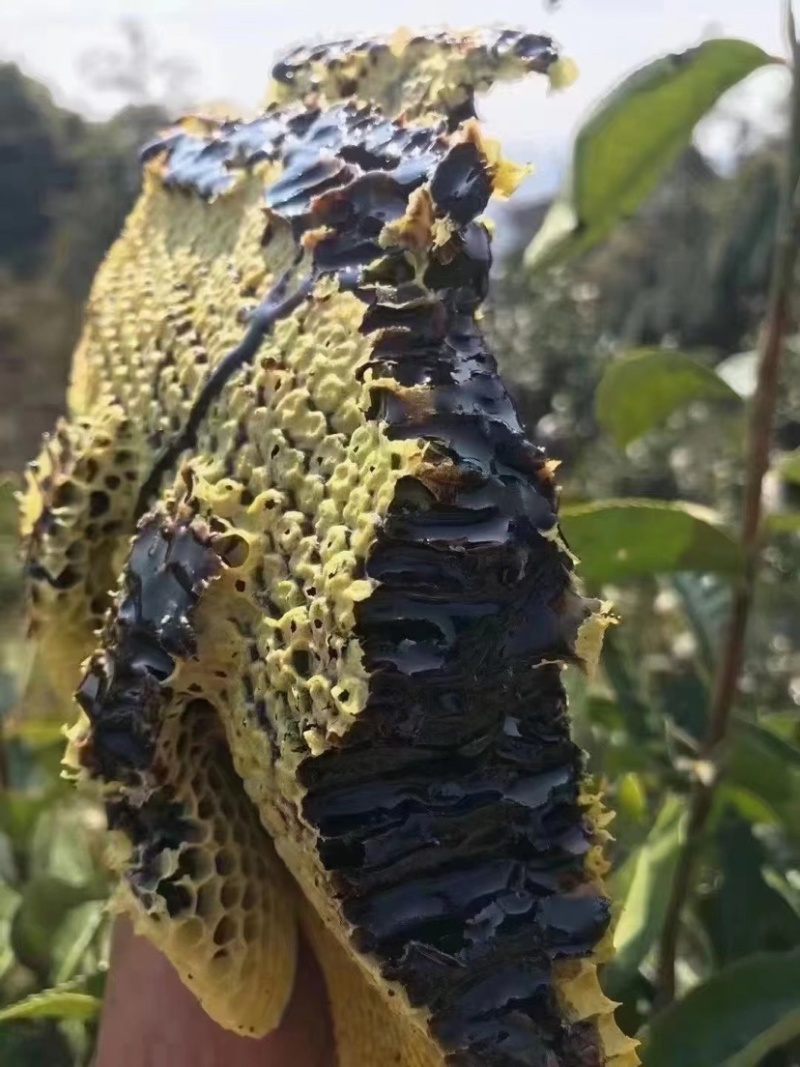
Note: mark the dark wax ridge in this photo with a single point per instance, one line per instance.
(448, 816)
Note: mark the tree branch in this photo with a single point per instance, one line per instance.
(759, 441)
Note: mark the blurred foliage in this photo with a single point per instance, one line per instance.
(66, 185)
(633, 364)
(53, 886)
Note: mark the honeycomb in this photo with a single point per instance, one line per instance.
(414, 73)
(80, 494)
(326, 690)
(202, 880)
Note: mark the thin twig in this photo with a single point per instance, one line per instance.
(762, 415)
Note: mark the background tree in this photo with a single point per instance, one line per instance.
(66, 185)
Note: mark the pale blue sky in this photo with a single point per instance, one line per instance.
(232, 42)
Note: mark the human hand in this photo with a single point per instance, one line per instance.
(150, 1019)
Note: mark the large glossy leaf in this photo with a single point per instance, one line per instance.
(54, 1004)
(36, 733)
(630, 797)
(753, 808)
(741, 911)
(9, 901)
(789, 466)
(705, 599)
(45, 904)
(621, 673)
(619, 539)
(681, 697)
(19, 812)
(34, 1042)
(768, 766)
(641, 389)
(779, 746)
(648, 892)
(783, 522)
(64, 844)
(732, 1020)
(632, 138)
(35, 770)
(78, 944)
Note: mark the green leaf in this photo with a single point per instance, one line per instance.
(783, 522)
(648, 893)
(752, 808)
(732, 1020)
(785, 724)
(45, 904)
(8, 684)
(706, 602)
(75, 949)
(742, 912)
(62, 843)
(19, 812)
(641, 389)
(9, 901)
(53, 1003)
(630, 796)
(626, 682)
(25, 1042)
(34, 771)
(768, 766)
(786, 890)
(633, 137)
(681, 697)
(37, 733)
(789, 466)
(780, 747)
(620, 539)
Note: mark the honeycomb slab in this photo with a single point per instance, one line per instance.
(297, 538)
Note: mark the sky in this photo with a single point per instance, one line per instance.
(233, 42)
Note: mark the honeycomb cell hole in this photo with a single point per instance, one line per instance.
(203, 881)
